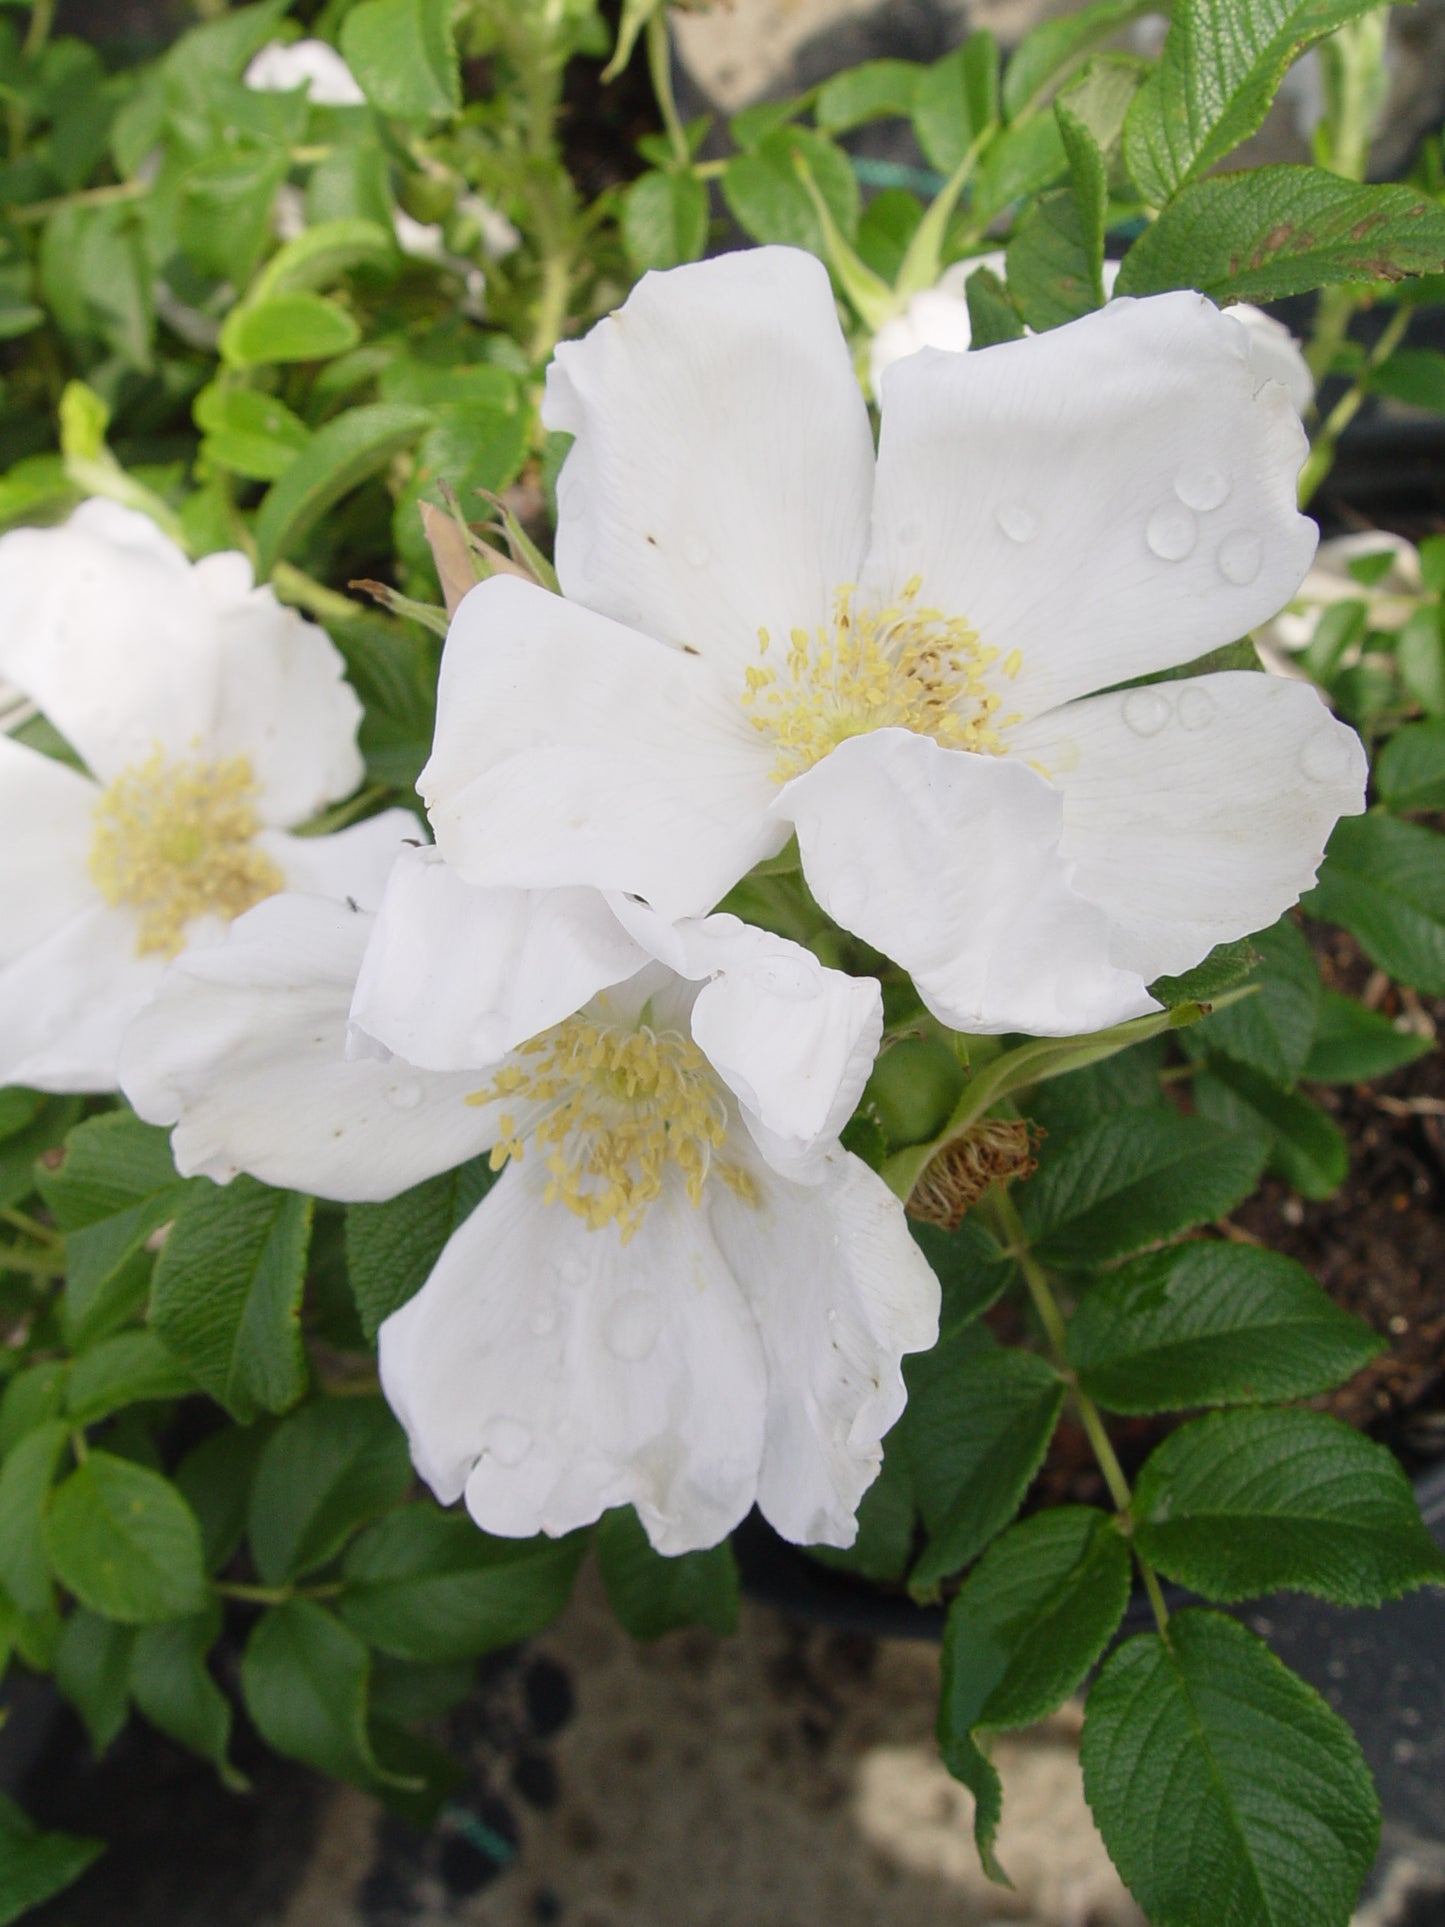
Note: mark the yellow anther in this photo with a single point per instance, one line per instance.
(176, 841)
(898, 667)
(611, 1110)
(1014, 663)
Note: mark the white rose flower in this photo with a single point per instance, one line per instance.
(763, 632)
(939, 318)
(281, 66)
(211, 720)
(681, 1294)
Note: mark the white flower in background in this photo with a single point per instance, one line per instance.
(681, 1293)
(1392, 598)
(938, 318)
(211, 720)
(281, 66)
(766, 632)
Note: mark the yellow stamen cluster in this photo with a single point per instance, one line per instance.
(902, 667)
(175, 841)
(618, 1107)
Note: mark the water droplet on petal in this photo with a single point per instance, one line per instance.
(506, 1441)
(1171, 533)
(847, 894)
(1199, 485)
(632, 1326)
(1327, 756)
(404, 1097)
(543, 1318)
(1196, 708)
(1146, 711)
(1239, 558)
(789, 977)
(696, 552)
(1017, 520)
(572, 1271)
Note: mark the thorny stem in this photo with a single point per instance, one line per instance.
(1041, 1291)
(659, 66)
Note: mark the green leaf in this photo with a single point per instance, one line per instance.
(321, 255)
(92, 1670)
(34, 1865)
(955, 99)
(328, 1469)
(1410, 771)
(1219, 71)
(1213, 1770)
(251, 434)
(1046, 56)
(125, 1370)
(992, 316)
(227, 1294)
(1385, 882)
(35, 1394)
(292, 327)
(428, 1585)
(215, 1478)
(978, 1422)
(173, 1687)
(24, 1487)
(1055, 259)
(1027, 1624)
(664, 219)
(1306, 1147)
(769, 201)
(223, 47)
(1242, 1503)
(875, 90)
(97, 282)
(224, 217)
(304, 1679)
(969, 1266)
(1275, 231)
(1272, 1029)
(338, 459)
(1133, 1179)
(1415, 376)
(1354, 1045)
(124, 1541)
(1420, 658)
(1021, 162)
(392, 1248)
(887, 1517)
(1212, 1324)
(652, 1595)
(403, 56)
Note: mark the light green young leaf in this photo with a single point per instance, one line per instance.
(92, 1670)
(978, 1422)
(1242, 1503)
(249, 433)
(1282, 1818)
(320, 256)
(289, 327)
(1354, 1045)
(1273, 231)
(429, 1586)
(331, 1467)
(227, 1294)
(404, 57)
(664, 219)
(1385, 882)
(1214, 82)
(1133, 1179)
(955, 99)
(768, 199)
(874, 90)
(651, 1595)
(1045, 57)
(1212, 1323)
(124, 1541)
(224, 216)
(338, 458)
(1028, 1623)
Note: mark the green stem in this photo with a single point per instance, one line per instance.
(42, 1233)
(39, 1264)
(302, 591)
(659, 66)
(252, 1595)
(1006, 1216)
(88, 197)
(42, 17)
(1322, 453)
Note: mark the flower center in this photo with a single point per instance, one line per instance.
(618, 1108)
(902, 667)
(175, 841)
